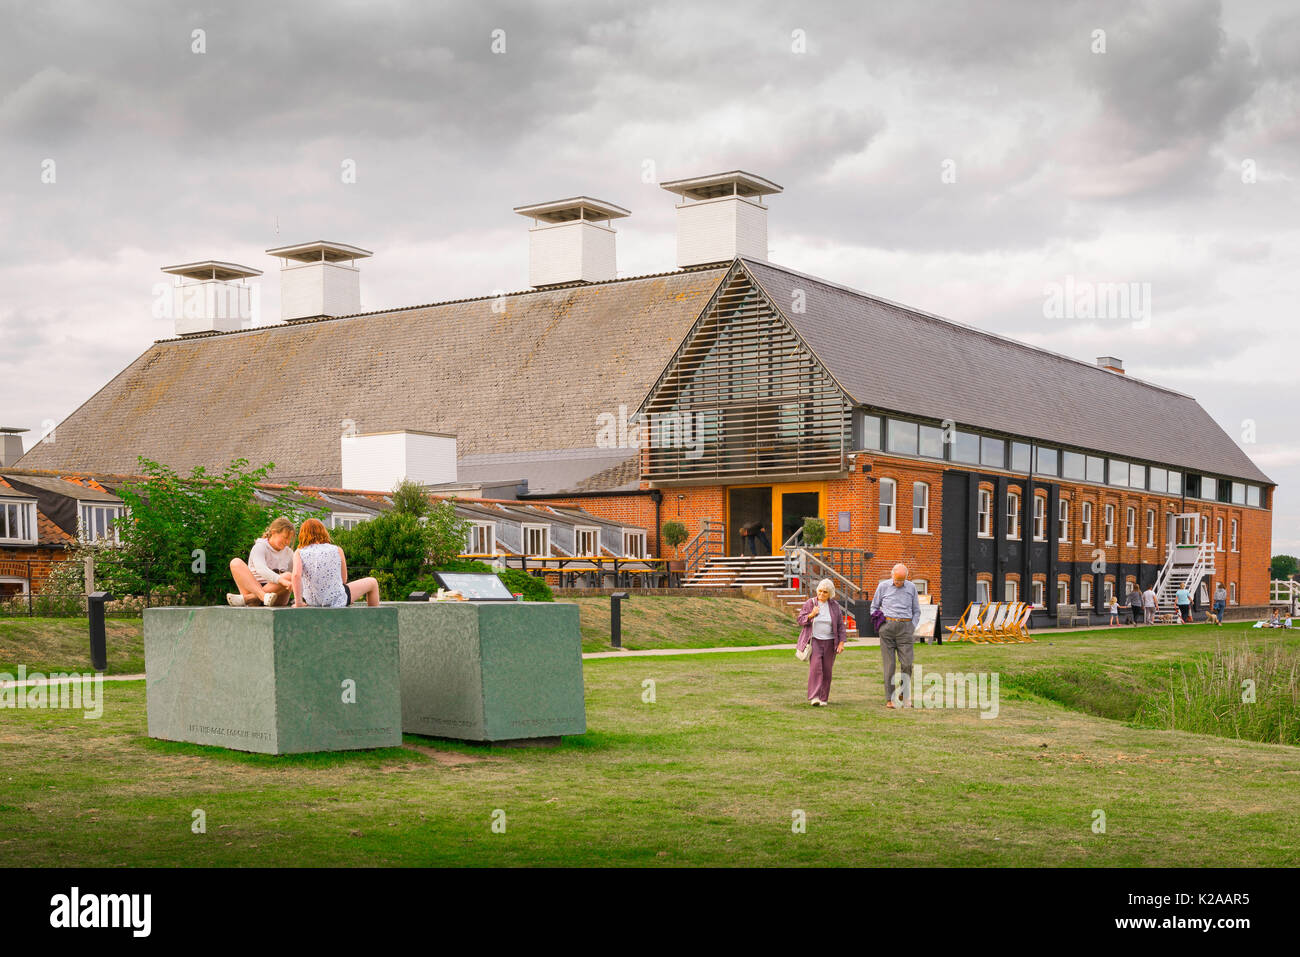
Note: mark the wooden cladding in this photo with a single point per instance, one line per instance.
(743, 398)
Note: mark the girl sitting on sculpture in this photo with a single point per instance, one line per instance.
(320, 572)
(264, 578)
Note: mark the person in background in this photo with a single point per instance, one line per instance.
(1134, 603)
(320, 572)
(264, 579)
(821, 622)
(897, 600)
(1114, 610)
(1184, 598)
(1220, 601)
(1149, 605)
(747, 538)
(762, 544)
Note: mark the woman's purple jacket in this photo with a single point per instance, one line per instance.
(809, 611)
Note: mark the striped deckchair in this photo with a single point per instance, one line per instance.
(969, 620)
(983, 631)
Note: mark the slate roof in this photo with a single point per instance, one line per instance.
(532, 375)
(899, 359)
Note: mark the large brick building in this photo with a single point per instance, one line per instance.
(995, 469)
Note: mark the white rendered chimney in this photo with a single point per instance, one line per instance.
(1111, 364)
(377, 461)
(319, 279)
(571, 240)
(213, 296)
(721, 217)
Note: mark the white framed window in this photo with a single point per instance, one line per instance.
(23, 586)
(888, 499)
(1062, 591)
(18, 522)
(1040, 518)
(984, 528)
(982, 591)
(482, 538)
(1010, 591)
(920, 507)
(1085, 592)
(1232, 593)
(1063, 521)
(1151, 527)
(347, 519)
(1130, 525)
(1107, 591)
(98, 523)
(1110, 524)
(1086, 521)
(1218, 534)
(634, 542)
(537, 540)
(922, 585)
(1234, 534)
(1013, 514)
(586, 540)
(1040, 594)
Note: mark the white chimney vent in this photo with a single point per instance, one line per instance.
(721, 217)
(571, 241)
(11, 445)
(1111, 364)
(377, 461)
(212, 296)
(319, 279)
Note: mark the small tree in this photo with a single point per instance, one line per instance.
(1282, 567)
(392, 547)
(814, 532)
(445, 532)
(410, 498)
(674, 533)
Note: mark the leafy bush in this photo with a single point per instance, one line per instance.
(392, 547)
(674, 533)
(410, 498)
(814, 532)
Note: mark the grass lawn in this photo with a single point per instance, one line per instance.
(684, 622)
(63, 644)
(711, 773)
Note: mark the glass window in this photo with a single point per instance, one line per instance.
(1020, 456)
(1218, 534)
(1159, 480)
(1096, 471)
(1040, 593)
(634, 543)
(1062, 592)
(1137, 476)
(900, 437)
(871, 432)
(1010, 591)
(1209, 488)
(1234, 534)
(1232, 593)
(1151, 527)
(922, 586)
(1107, 590)
(982, 591)
(1238, 493)
(888, 491)
(1252, 495)
(1047, 461)
(966, 447)
(985, 506)
(1118, 473)
(1110, 524)
(1086, 515)
(931, 444)
(1085, 592)
(1013, 514)
(1175, 486)
(1072, 465)
(993, 452)
(1063, 521)
(1130, 531)
(920, 507)
(1040, 518)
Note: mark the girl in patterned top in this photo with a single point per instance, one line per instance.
(320, 572)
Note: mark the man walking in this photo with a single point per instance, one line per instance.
(1220, 601)
(1149, 605)
(1135, 603)
(897, 600)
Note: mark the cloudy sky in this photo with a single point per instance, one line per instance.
(960, 158)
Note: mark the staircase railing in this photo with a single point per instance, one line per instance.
(810, 565)
(1179, 572)
(1283, 592)
(709, 542)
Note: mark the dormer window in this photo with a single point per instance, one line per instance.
(17, 522)
(98, 523)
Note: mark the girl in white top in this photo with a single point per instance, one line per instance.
(1114, 610)
(264, 579)
(320, 572)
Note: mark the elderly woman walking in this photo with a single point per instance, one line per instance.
(821, 638)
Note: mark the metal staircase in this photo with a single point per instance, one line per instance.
(1188, 562)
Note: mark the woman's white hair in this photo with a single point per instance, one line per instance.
(828, 585)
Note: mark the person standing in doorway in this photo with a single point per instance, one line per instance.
(897, 600)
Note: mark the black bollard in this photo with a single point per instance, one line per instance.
(98, 641)
(616, 618)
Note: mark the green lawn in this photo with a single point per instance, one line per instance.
(685, 622)
(63, 644)
(711, 773)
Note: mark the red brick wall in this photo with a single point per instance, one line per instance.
(41, 563)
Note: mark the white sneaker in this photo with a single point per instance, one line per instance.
(816, 701)
(268, 599)
(236, 600)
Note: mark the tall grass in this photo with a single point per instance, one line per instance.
(1212, 695)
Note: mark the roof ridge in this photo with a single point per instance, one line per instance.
(934, 317)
